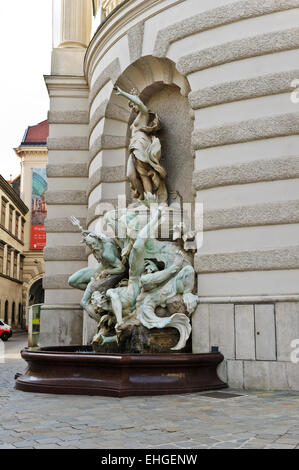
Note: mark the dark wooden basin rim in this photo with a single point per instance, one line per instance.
(77, 370)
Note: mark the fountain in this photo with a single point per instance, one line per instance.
(141, 294)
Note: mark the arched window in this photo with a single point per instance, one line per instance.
(20, 314)
(13, 309)
(6, 312)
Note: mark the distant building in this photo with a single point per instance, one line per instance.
(33, 153)
(13, 222)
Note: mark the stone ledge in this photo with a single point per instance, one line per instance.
(263, 85)
(62, 225)
(74, 170)
(219, 16)
(251, 172)
(67, 143)
(239, 49)
(245, 131)
(68, 197)
(273, 213)
(259, 260)
(68, 117)
(65, 253)
(59, 281)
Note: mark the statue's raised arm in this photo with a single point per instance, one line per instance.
(132, 98)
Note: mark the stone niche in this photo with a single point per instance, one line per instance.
(175, 135)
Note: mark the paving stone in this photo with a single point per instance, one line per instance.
(279, 446)
(24, 444)
(50, 440)
(256, 420)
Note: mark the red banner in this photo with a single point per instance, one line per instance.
(37, 237)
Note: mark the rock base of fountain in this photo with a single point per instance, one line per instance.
(77, 370)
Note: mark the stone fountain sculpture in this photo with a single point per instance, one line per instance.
(140, 294)
(142, 283)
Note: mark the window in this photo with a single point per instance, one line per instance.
(20, 315)
(21, 267)
(3, 211)
(11, 209)
(8, 262)
(1, 323)
(17, 224)
(13, 309)
(15, 265)
(22, 230)
(1, 258)
(6, 312)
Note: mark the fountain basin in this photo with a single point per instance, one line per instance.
(77, 370)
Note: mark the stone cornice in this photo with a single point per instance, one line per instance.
(66, 85)
(11, 235)
(11, 278)
(33, 151)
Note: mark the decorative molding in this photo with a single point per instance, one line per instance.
(284, 258)
(263, 85)
(254, 46)
(67, 197)
(226, 14)
(245, 131)
(65, 253)
(67, 86)
(111, 174)
(273, 213)
(251, 172)
(74, 170)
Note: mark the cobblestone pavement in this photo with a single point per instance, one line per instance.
(254, 420)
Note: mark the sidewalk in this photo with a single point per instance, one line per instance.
(253, 420)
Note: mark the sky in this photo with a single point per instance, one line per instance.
(25, 57)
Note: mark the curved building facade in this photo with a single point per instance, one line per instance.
(222, 76)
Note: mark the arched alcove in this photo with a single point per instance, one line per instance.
(175, 136)
(164, 90)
